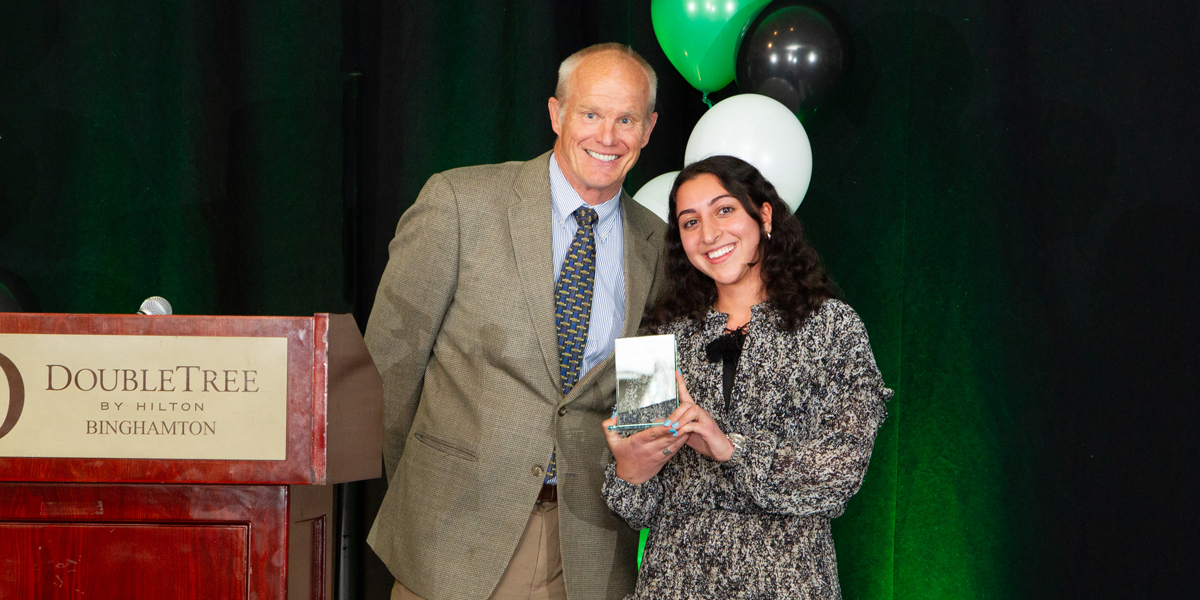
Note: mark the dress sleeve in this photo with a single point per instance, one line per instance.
(812, 469)
(637, 504)
(417, 288)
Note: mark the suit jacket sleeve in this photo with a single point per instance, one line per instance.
(414, 294)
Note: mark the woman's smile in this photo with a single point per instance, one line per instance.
(714, 255)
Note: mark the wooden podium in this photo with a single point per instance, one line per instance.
(90, 519)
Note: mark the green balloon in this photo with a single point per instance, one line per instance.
(701, 37)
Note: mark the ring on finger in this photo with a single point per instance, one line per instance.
(666, 451)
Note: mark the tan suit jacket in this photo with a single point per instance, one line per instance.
(463, 333)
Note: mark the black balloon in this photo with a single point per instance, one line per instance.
(798, 53)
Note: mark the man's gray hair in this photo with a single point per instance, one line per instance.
(568, 67)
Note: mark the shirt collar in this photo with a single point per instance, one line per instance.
(565, 200)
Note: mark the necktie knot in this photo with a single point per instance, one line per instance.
(586, 217)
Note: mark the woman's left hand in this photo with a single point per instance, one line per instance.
(706, 436)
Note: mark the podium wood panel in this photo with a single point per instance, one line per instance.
(153, 528)
(134, 541)
(109, 561)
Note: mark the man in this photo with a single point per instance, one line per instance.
(493, 330)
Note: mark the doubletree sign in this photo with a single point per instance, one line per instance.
(146, 396)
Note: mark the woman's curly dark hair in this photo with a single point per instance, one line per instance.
(795, 282)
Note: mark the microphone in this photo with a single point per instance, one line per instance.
(155, 305)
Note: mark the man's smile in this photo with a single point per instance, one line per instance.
(603, 157)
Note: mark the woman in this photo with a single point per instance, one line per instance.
(740, 483)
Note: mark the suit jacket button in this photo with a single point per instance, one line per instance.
(538, 470)
(562, 411)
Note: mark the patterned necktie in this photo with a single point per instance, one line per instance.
(573, 298)
(573, 308)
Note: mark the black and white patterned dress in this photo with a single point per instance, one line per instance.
(809, 404)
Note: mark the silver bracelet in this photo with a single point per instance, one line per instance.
(739, 445)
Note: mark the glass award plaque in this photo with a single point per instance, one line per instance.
(646, 390)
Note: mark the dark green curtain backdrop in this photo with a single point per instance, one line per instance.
(1007, 195)
(185, 149)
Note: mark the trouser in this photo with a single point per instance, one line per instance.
(535, 571)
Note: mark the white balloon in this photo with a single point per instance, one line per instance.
(656, 194)
(762, 132)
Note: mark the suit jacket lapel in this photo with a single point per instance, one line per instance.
(641, 257)
(530, 222)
